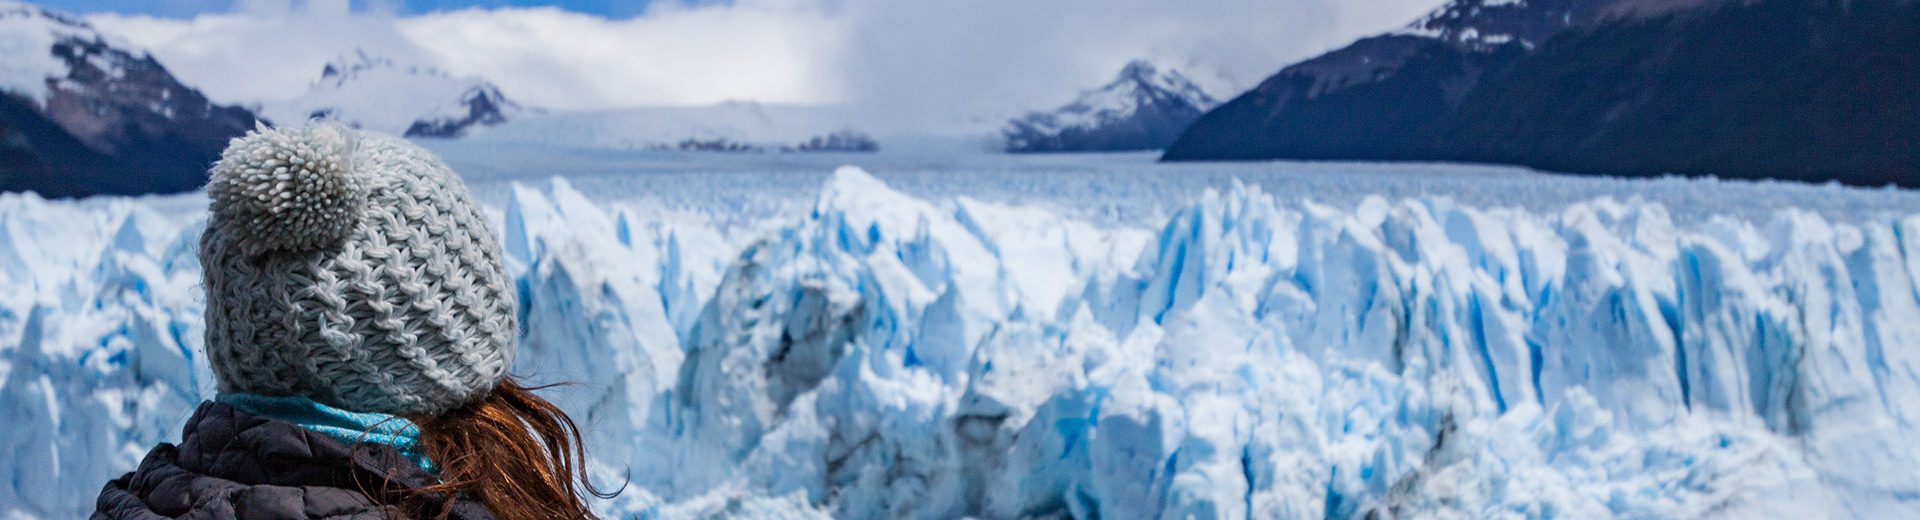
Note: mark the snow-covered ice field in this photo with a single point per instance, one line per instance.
(937, 335)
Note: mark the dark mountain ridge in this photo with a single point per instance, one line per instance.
(1810, 90)
(110, 121)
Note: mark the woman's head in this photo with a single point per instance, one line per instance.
(353, 268)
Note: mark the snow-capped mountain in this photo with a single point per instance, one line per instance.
(1145, 108)
(376, 92)
(1766, 89)
(1471, 27)
(1483, 23)
(83, 114)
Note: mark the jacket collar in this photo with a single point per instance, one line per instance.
(286, 454)
(346, 427)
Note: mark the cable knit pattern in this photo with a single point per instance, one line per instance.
(353, 268)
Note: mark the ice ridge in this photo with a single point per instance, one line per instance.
(883, 355)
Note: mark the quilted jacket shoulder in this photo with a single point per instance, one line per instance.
(234, 465)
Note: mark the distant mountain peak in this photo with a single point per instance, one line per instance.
(1141, 106)
(375, 91)
(1145, 81)
(1139, 70)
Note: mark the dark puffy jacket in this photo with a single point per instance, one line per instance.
(231, 464)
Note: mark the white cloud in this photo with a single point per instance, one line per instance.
(904, 62)
(264, 50)
(759, 51)
(918, 59)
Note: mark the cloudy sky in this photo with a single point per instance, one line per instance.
(898, 60)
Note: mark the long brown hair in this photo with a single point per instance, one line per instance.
(513, 452)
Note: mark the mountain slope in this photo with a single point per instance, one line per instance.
(1142, 109)
(1794, 89)
(378, 93)
(1383, 96)
(82, 115)
(1803, 90)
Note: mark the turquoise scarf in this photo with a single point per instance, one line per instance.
(347, 427)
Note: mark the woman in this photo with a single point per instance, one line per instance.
(360, 325)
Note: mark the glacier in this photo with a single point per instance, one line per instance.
(879, 354)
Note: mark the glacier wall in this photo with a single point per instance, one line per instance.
(883, 356)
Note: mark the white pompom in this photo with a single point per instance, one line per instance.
(288, 189)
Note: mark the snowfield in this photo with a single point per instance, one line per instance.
(877, 353)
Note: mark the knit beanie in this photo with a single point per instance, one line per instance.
(355, 269)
